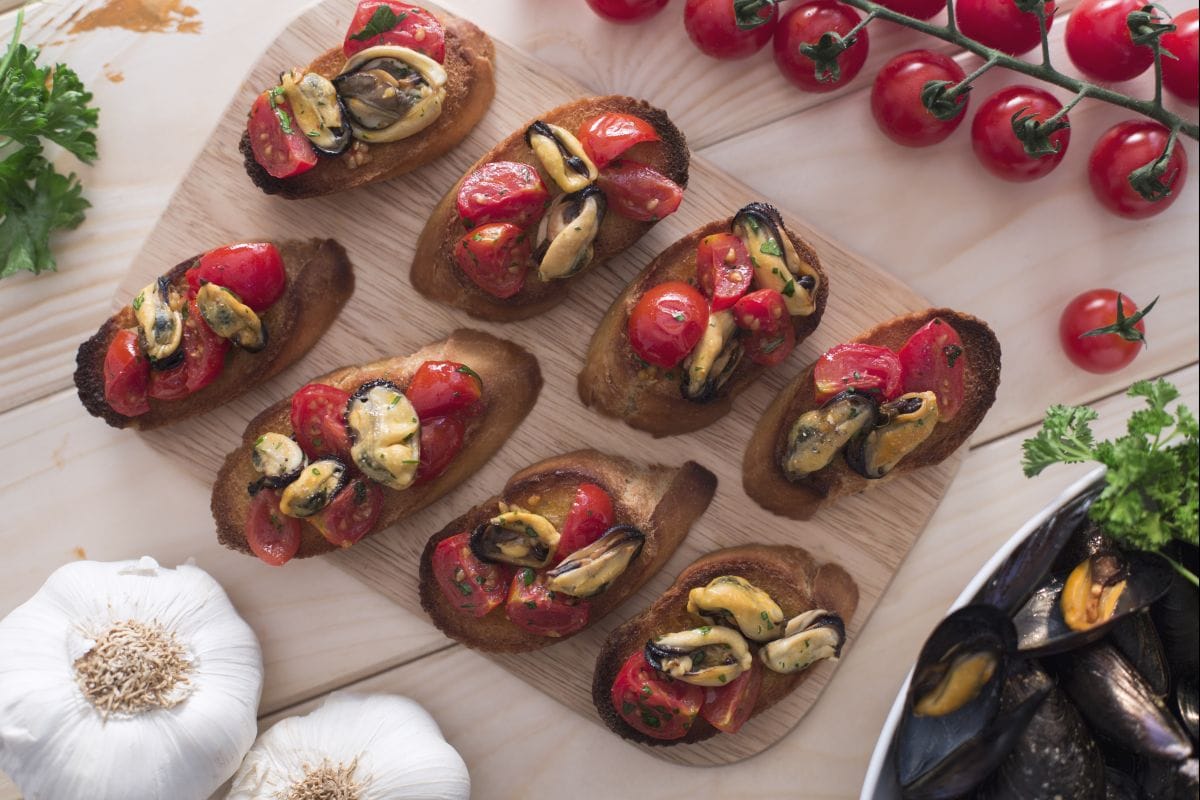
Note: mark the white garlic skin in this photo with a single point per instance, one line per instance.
(398, 746)
(53, 742)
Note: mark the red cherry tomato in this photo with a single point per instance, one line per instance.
(535, 609)
(769, 336)
(723, 269)
(713, 28)
(439, 388)
(203, 350)
(806, 24)
(896, 98)
(283, 153)
(169, 384)
(441, 440)
(590, 516)
(495, 257)
(1128, 146)
(1000, 24)
(272, 537)
(352, 514)
(606, 137)
(728, 707)
(1181, 75)
(502, 191)
(638, 191)
(626, 11)
(933, 360)
(652, 703)
(410, 26)
(126, 375)
(1107, 352)
(319, 421)
(1100, 44)
(921, 9)
(252, 271)
(467, 583)
(666, 323)
(997, 147)
(865, 367)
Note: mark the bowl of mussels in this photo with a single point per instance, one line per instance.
(1066, 669)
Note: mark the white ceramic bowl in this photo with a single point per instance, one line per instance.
(881, 782)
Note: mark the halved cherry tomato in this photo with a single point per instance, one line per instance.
(272, 537)
(441, 439)
(252, 271)
(770, 337)
(652, 703)
(933, 360)
(351, 514)
(590, 516)
(728, 707)
(865, 367)
(278, 145)
(203, 350)
(169, 384)
(639, 192)
(126, 375)
(468, 583)
(439, 388)
(405, 26)
(667, 322)
(723, 269)
(319, 421)
(495, 257)
(535, 609)
(606, 137)
(502, 191)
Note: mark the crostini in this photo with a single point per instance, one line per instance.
(210, 329)
(361, 447)
(702, 321)
(563, 194)
(565, 542)
(901, 396)
(732, 636)
(404, 88)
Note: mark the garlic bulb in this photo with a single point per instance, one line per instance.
(366, 747)
(126, 680)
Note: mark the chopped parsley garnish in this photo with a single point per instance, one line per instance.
(382, 21)
(770, 247)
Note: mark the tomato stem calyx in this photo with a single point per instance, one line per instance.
(749, 13)
(1150, 180)
(825, 52)
(1125, 327)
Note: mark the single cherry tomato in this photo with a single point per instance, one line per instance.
(920, 9)
(606, 137)
(467, 583)
(713, 26)
(1100, 44)
(203, 350)
(666, 323)
(252, 271)
(768, 337)
(272, 536)
(502, 191)
(1128, 146)
(652, 703)
(1106, 352)
(441, 440)
(352, 514)
(1181, 75)
(126, 375)
(999, 149)
(379, 22)
(638, 191)
(806, 24)
(865, 367)
(728, 707)
(319, 421)
(896, 98)
(439, 388)
(495, 257)
(590, 516)
(535, 609)
(278, 145)
(1000, 24)
(626, 11)
(723, 269)
(933, 360)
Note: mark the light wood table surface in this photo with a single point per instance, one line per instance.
(1014, 255)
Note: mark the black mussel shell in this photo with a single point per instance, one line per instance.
(1175, 617)
(1087, 541)
(1119, 786)
(1134, 636)
(1170, 780)
(763, 214)
(1186, 706)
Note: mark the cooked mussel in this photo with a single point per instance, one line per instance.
(279, 459)
(709, 656)
(561, 155)
(901, 426)
(230, 318)
(1135, 638)
(735, 602)
(567, 232)
(713, 360)
(314, 488)
(777, 265)
(810, 637)
(817, 436)
(1170, 780)
(516, 536)
(591, 569)
(1187, 706)
(157, 311)
(390, 92)
(385, 434)
(317, 110)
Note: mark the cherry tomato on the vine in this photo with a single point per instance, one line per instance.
(1125, 147)
(1181, 75)
(626, 11)
(1000, 24)
(806, 24)
(896, 98)
(1107, 352)
(999, 149)
(1100, 44)
(713, 27)
(921, 9)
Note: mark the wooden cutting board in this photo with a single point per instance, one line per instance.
(868, 535)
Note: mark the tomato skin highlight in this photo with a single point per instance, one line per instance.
(416, 29)
(441, 440)
(712, 27)
(896, 98)
(865, 367)
(723, 269)
(272, 536)
(126, 375)
(666, 323)
(535, 609)
(439, 388)
(653, 704)
(728, 707)
(1107, 352)
(495, 257)
(997, 147)
(502, 191)
(352, 514)
(626, 12)
(319, 421)
(1181, 75)
(253, 271)
(933, 360)
(639, 192)
(590, 516)
(1123, 148)
(806, 24)
(606, 138)
(468, 584)
(1000, 24)
(281, 154)
(1099, 42)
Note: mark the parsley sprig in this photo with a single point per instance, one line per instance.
(36, 104)
(1150, 497)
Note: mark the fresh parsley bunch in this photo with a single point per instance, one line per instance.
(1151, 488)
(39, 103)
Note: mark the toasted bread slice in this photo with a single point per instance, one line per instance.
(662, 502)
(788, 574)
(434, 271)
(762, 474)
(470, 87)
(319, 282)
(511, 382)
(618, 384)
